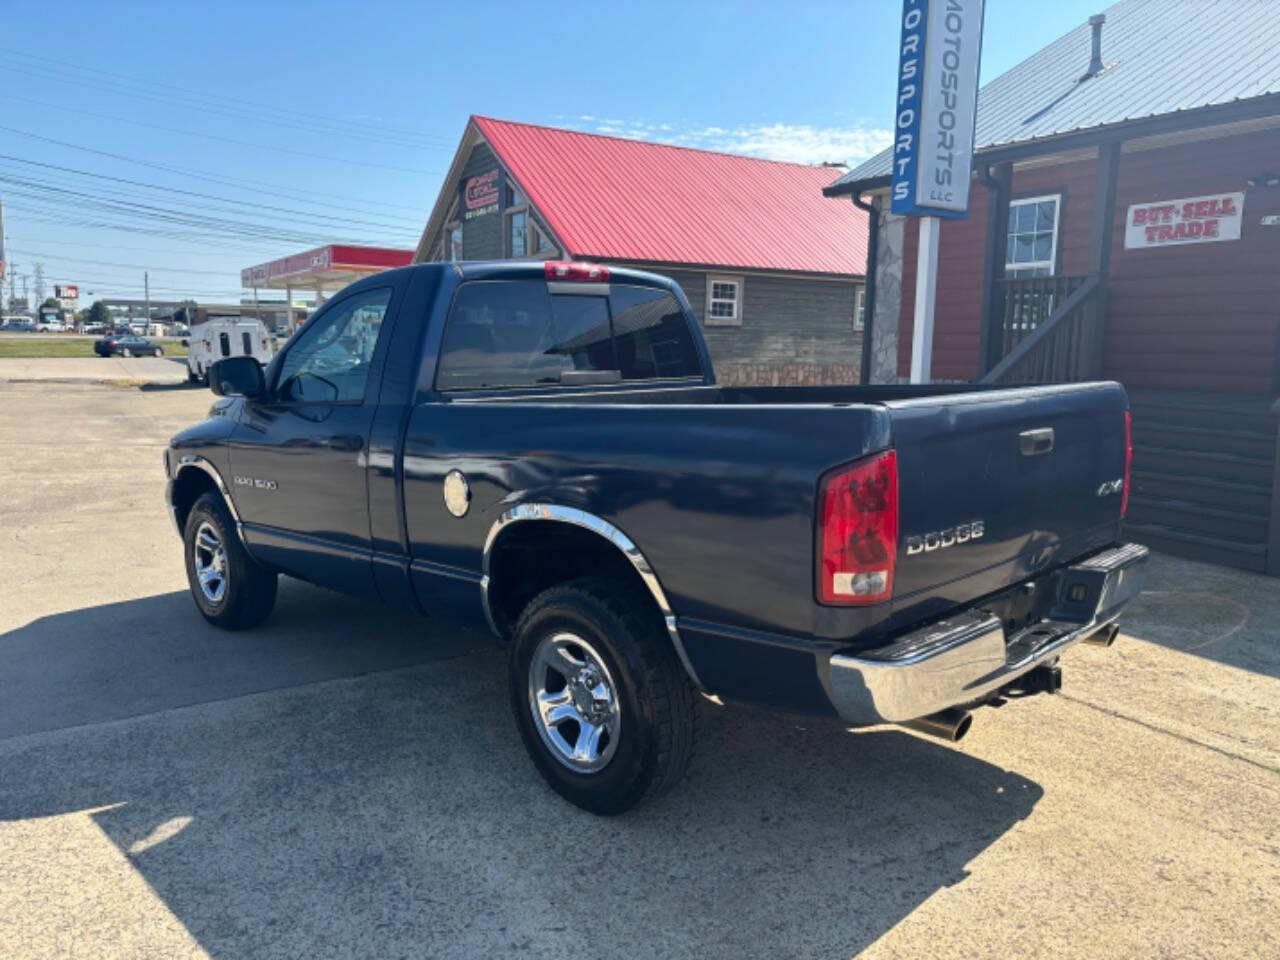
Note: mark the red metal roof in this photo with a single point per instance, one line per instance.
(619, 199)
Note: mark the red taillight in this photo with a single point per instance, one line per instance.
(858, 531)
(1128, 461)
(584, 272)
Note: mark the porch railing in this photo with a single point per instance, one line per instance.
(1028, 302)
(1049, 330)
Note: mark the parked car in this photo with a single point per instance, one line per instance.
(220, 337)
(95, 329)
(543, 449)
(18, 326)
(127, 345)
(51, 326)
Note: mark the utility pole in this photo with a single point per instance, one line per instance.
(2, 245)
(146, 292)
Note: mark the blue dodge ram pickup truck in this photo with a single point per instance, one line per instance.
(542, 449)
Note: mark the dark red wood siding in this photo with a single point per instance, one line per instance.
(1197, 317)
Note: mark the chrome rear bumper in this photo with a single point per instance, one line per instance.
(967, 658)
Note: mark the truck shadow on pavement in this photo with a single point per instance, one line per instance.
(357, 813)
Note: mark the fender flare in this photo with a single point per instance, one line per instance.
(554, 513)
(192, 461)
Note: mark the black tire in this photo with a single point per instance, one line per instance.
(658, 706)
(159, 352)
(191, 376)
(249, 590)
(126, 352)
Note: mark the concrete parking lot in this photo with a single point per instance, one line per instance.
(347, 782)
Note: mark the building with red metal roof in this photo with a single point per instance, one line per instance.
(773, 271)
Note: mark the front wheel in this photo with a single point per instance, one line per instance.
(605, 710)
(229, 587)
(126, 352)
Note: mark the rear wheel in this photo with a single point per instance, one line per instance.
(159, 352)
(126, 352)
(229, 587)
(605, 710)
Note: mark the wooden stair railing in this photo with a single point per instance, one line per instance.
(1060, 348)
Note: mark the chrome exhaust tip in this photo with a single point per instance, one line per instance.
(1104, 637)
(950, 724)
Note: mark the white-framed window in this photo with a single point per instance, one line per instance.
(724, 301)
(1032, 249)
(860, 310)
(453, 242)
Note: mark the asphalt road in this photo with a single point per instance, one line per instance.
(155, 371)
(346, 782)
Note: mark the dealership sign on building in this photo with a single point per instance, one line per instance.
(1167, 223)
(480, 195)
(937, 100)
(66, 291)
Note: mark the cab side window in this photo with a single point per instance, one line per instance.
(329, 361)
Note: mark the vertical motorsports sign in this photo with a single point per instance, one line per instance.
(937, 98)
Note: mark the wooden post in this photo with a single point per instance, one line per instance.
(991, 335)
(1100, 234)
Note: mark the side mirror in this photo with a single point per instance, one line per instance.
(186, 342)
(238, 377)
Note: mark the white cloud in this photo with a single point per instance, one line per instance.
(794, 143)
(802, 143)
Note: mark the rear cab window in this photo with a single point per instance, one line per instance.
(514, 333)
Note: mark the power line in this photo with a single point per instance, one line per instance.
(236, 183)
(240, 114)
(231, 140)
(57, 258)
(240, 104)
(80, 201)
(208, 196)
(60, 218)
(207, 240)
(237, 252)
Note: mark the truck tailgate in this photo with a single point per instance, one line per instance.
(996, 487)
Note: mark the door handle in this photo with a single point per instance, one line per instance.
(1035, 442)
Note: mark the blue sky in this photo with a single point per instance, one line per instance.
(342, 118)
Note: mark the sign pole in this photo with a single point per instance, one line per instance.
(934, 119)
(926, 295)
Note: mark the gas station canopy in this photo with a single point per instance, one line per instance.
(324, 269)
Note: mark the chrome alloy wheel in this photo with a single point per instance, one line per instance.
(210, 563)
(574, 702)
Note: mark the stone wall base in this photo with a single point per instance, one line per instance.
(786, 374)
